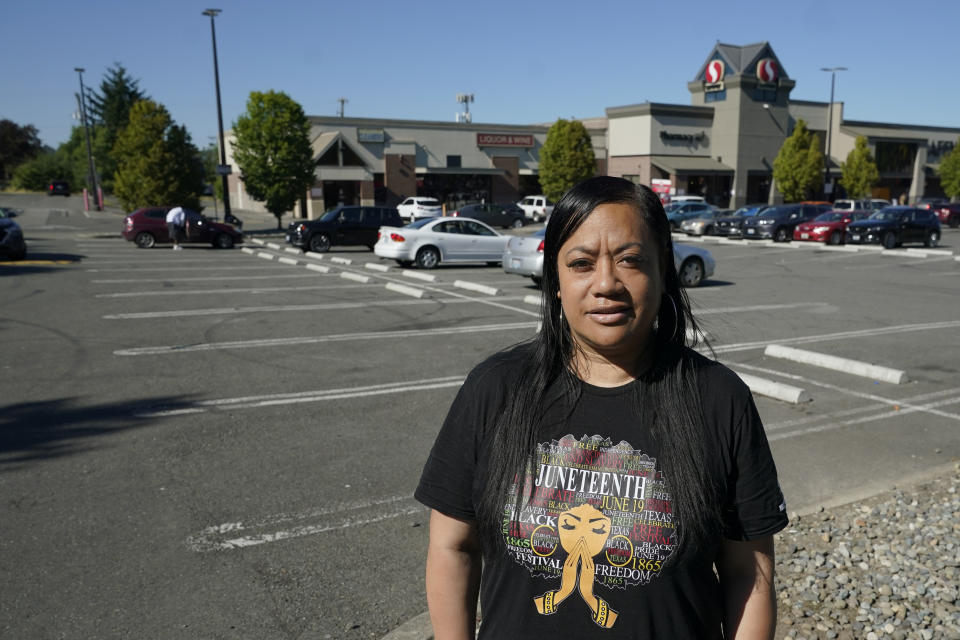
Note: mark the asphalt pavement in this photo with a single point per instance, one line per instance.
(210, 443)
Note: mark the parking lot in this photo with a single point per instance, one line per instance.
(211, 443)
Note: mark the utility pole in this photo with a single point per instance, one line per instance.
(91, 171)
(223, 169)
(826, 159)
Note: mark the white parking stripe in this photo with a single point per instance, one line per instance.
(841, 335)
(207, 292)
(758, 307)
(203, 278)
(227, 536)
(299, 341)
(213, 267)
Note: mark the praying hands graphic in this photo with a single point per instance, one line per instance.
(583, 532)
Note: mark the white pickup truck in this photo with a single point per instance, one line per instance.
(536, 208)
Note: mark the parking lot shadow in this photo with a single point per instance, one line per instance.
(31, 431)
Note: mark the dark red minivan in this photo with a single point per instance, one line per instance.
(148, 226)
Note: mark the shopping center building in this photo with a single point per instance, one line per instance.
(721, 146)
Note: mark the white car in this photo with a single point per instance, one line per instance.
(536, 208)
(434, 240)
(524, 256)
(416, 208)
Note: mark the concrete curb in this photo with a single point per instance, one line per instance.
(844, 365)
(355, 276)
(534, 300)
(318, 267)
(265, 255)
(479, 288)
(373, 266)
(775, 390)
(419, 276)
(340, 260)
(248, 250)
(287, 261)
(294, 251)
(273, 245)
(405, 290)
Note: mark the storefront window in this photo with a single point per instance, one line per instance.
(895, 157)
(453, 162)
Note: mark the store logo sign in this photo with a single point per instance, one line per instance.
(503, 140)
(714, 71)
(767, 71)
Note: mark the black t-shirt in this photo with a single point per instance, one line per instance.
(586, 557)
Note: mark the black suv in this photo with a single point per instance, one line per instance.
(496, 215)
(894, 226)
(343, 225)
(58, 188)
(780, 221)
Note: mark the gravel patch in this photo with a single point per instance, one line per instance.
(886, 567)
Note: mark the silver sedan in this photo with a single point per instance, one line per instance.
(430, 241)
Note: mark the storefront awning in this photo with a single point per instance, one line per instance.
(689, 164)
(468, 171)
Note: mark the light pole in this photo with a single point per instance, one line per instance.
(223, 168)
(826, 160)
(91, 172)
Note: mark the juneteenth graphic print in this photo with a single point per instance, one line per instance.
(597, 514)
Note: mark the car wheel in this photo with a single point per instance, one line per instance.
(781, 235)
(223, 241)
(428, 258)
(20, 253)
(370, 246)
(320, 243)
(834, 238)
(517, 223)
(708, 231)
(932, 239)
(145, 240)
(405, 263)
(691, 272)
(889, 240)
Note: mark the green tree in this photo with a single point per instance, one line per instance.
(17, 144)
(859, 171)
(35, 174)
(566, 158)
(156, 161)
(798, 167)
(272, 149)
(950, 172)
(109, 113)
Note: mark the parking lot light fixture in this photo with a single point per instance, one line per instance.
(826, 159)
(227, 215)
(91, 172)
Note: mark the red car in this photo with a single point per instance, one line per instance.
(949, 214)
(148, 226)
(828, 227)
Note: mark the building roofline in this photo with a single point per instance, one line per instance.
(660, 108)
(433, 124)
(889, 125)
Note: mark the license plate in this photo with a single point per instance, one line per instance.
(515, 263)
(804, 236)
(855, 237)
(750, 232)
(288, 237)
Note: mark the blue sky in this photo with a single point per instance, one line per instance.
(525, 61)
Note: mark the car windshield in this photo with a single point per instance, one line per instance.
(830, 216)
(330, 215)
(420, 223)
(885, 214)
(672, 207)
(429, 202)
(746, 212)
(776, 212)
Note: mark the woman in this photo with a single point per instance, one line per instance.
(599, 473)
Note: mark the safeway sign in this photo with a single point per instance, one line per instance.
(504, 140)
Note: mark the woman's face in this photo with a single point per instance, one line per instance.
(611, 282)
(584, 523)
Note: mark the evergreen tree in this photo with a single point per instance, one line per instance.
(17, 144)
(157, 162)
(859, 171)
(109, 112)
(798, 167)
(272, 149)
(566, 158)
(950, 172)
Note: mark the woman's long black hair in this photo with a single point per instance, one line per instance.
(667, 400)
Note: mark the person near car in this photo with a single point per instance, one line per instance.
(176, 220)
(603, 475)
